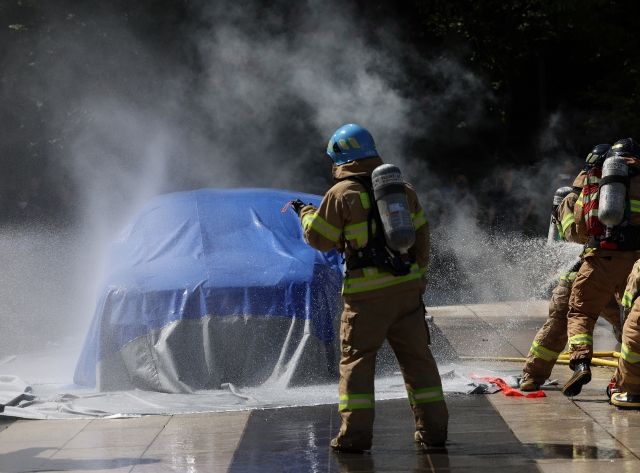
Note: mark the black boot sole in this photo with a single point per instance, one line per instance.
(574, 385)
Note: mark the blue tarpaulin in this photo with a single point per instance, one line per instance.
(214, 263)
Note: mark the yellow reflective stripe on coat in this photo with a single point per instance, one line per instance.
(635, 205)
(580, 199)
(321, 226)
(581, 339)
(374, 279)
(542, 352)
(423, 271)
(420, 396)
(349, 402)
(570, 276)
(419, 220)
(628, 355)
(627, 299)
(359, 232)
(365, 200)
(568, 220)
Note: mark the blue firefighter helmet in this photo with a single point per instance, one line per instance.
(351, 142)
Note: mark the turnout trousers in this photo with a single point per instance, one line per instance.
(599, 278)
(628, 372)
(365, 324)
(552, 336)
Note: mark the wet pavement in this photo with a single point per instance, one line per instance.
(487, 432)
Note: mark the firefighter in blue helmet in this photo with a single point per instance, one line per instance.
(378, 304)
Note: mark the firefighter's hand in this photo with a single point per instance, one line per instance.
(635, 162)
(298, 205)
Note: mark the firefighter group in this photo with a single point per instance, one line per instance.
(374, 218)
(602, 212)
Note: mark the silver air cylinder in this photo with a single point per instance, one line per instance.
(391, 198)
(558, 197)
(612, 194)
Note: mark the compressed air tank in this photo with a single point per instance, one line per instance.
(613, 193)
(558, 197)
(390, 194)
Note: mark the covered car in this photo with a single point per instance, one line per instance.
(214, 286)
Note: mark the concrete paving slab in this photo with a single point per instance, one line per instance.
(450, 311)
(196, 442)
(54, 432)
(127, 423)
(29, 457)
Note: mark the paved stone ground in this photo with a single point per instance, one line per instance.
(552, 434)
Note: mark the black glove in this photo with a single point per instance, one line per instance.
(298, 205)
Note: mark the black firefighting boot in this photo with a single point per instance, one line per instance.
(529, 384)
(346, 448)
(418, 438)
(581, 376)
(626, 400)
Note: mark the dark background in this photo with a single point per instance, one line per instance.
(572, 61)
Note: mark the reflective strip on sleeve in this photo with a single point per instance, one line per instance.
(359, 232)
(635, 205)
(628, 355)
(374, 279)
(349, 402)
(570, 276)
(423, 271)
(321, 226)
(627, 299)
(568, 220)
(542, 352)
(580, 199)
(306, 220)
(420, 396)
(419, 220)
(581, 339)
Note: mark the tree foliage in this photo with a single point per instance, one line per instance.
(590, 48)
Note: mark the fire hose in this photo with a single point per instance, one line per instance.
(563, 359)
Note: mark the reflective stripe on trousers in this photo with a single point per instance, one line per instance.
(581, 339)
(349, 402)
(542, 352)
(421, 396)
(628, 355)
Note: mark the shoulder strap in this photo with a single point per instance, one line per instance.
(372, 212)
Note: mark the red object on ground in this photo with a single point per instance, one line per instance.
(508, 391)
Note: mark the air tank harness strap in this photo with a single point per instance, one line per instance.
(613, 179)
(627, 239)
(375, 252)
